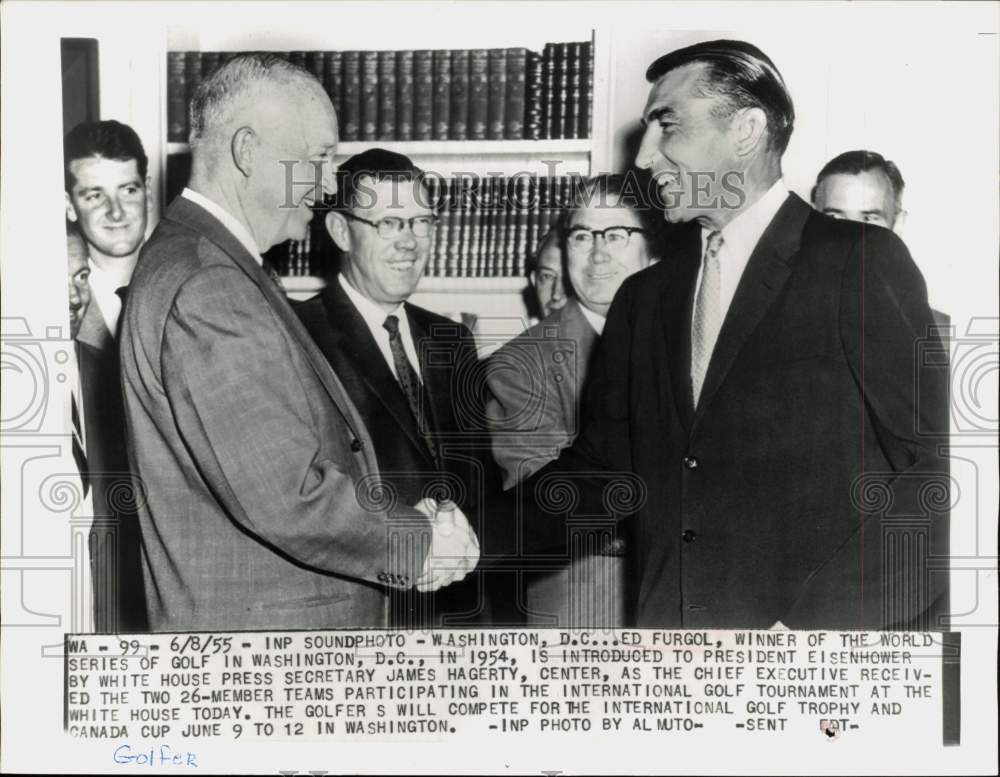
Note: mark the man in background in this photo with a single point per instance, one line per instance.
(107, 200)
(408, 371)
(546, 292)
(864, 186)
(536, 383)
(260, 511)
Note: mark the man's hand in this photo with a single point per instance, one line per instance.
(454, 546)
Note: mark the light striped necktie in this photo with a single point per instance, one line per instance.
(707, 320)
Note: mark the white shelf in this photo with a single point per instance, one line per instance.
(428, 284)
(471, 148)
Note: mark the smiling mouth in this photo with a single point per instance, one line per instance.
(602, 276)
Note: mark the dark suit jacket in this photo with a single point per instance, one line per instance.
(119, 598)
(808, 486)
(449, 371)
(255, 463)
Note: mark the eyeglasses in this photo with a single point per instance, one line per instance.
(392, 226)
(615, 238)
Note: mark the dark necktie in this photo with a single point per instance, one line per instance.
(409, 381)
(122, 292)
(79, 454)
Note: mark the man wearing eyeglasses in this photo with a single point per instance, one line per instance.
(537, 379)
(403, 366)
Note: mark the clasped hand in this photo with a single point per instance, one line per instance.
(454, 546)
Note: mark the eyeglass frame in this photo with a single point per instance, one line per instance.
(601, 233)
(433, 220)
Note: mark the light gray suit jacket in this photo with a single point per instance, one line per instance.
(535, 382)
(260, 509)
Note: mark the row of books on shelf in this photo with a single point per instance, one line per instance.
(486, 228)
(456, 94)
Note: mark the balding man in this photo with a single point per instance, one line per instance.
(261, 507)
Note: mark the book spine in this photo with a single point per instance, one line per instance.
(404, 95)
(557, 122)
(534, 213)
(463, 269)
(586, 90)
(369, 95)
(510, 240)
(455, 224)
(333, 77)
(548, 88)
(442, 94)
(534, 88)
(298, 58)
(386, 95)
(479, 97)
(485, 224)
(423, 95)
(517, 59)
(351, 96)
(571, 118)
(496, 94)
(523, 212)
(210, 61)
(431, 182)
(177, 128)
(441, 233)
(473, 255)
(459, 94)
(315, 61)
(503, 228)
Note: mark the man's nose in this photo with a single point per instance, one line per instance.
(406, 238)
(74, 295)
(115, 210)
(557, 290)
(647, 148)
(599, 253)
(329, 179)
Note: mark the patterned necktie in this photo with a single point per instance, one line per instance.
(408, 380)
(707, 320)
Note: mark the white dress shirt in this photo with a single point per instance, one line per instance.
(740, 237)
(375, 317)
(229, 221)
(104, 291)
(595, 320)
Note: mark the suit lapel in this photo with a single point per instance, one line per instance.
(355, 352)
(195, 217)
(764, 277)
(573, 325)
(675, 310)
(93, 329)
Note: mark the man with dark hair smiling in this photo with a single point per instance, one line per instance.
(108, 198)
(403, 365)
(763, 384)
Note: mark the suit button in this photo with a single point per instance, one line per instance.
(355, 445)
(383, 577)
(690, 462)
(689, 536)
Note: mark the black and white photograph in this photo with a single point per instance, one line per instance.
(495, 387)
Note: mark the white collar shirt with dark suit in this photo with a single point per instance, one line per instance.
(808, 487)
(252, 458)
(443, 353)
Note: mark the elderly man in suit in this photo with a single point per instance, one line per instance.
(766, 386)
(406, 369)
(256, 467)
(107, 201)
(536, 383)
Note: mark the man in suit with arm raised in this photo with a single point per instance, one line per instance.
(765, 384)
(253, 459)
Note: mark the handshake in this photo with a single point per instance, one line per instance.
(454, 546)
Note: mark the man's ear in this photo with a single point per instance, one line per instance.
(336, 226)
(149, 195)
(749, 126)
(70, 210)
(899, 223)
(242, 147)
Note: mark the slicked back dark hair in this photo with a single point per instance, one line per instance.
(109, 139)
(741, 76)
(861, 161)
(378, 164)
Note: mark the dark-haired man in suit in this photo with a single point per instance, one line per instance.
(257, 468)
(108, 198)
(411, 373)
(766, 384)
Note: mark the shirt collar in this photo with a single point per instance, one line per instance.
(594, 319)
(229, 221)
(373, 315)
(743, 232)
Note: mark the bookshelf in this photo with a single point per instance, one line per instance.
(451, 295)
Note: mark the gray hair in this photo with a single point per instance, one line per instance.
(240, 77)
